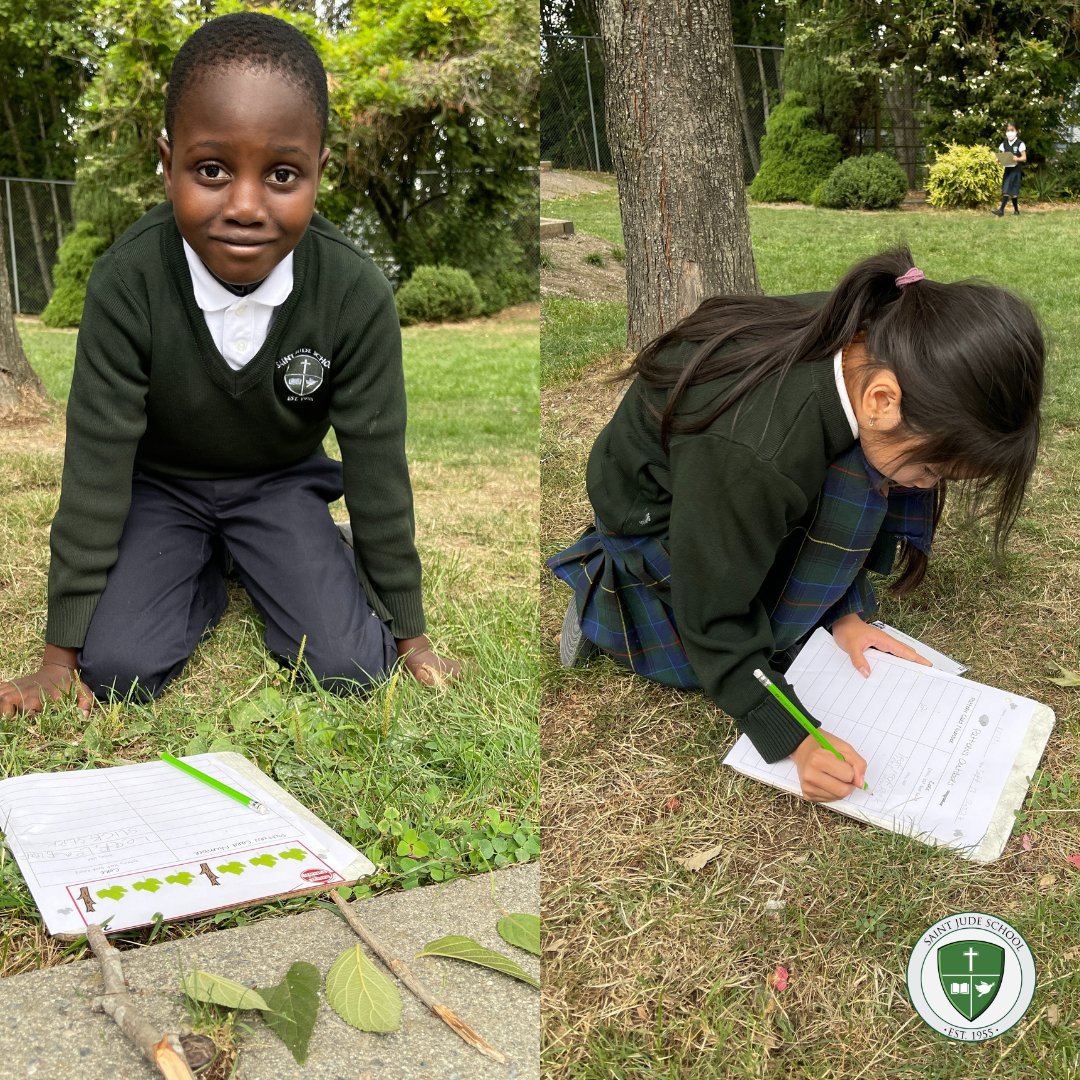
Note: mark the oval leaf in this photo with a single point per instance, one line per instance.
(462, 948)
(361, 994)
(293, 1005)
(217, 990)
(521, 930)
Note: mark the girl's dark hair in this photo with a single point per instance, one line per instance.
(968, 357)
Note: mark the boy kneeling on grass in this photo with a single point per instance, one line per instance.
(224, 334)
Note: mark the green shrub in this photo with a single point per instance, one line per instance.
(870, 182)
(795, 155)
(594, 258)
(438, 294)
(75, 259)
(504, 288)
(964, 176)
(1067, 170)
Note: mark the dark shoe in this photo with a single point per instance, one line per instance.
(998, 213)
(574, 648)
(1016, 213)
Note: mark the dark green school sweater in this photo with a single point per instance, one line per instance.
(732, 503)
(151, 392)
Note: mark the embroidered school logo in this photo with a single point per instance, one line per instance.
(971, 976)
(302, 373)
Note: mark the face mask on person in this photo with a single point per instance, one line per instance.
(1010, 135)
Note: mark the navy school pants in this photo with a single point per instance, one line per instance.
(167, 588)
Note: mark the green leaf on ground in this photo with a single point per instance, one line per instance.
(217, 990)
(1068, 678)
(361, 994)
(457, 947)
(521, 930)
(292, 1007)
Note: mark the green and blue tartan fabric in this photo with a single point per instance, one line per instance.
(622, 583)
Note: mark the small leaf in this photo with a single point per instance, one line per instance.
(1025, 841)
(522, 931)
(1068, 678)
(779, 978)
(217, 990)
(361, 994)
(1074, 859)
(293, 1006)
(699, 859)
(457, 947)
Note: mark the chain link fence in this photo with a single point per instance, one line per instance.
(573, 133)
(35, 216)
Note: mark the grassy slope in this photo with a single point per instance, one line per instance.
(654, 971)
(434, 761)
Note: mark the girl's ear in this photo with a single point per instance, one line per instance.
(881, 401)
(165, 153)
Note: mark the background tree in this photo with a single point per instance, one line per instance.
(20, 388)
(673, 125)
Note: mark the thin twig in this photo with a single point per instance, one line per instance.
(416, 987)
(162, 1049)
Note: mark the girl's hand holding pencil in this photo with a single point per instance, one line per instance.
(824, 776)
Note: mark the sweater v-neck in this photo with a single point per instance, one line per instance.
(217, 367)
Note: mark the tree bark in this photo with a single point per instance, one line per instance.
(673, 127)
(19, 385)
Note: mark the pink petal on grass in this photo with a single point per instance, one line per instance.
(1075, 860)
(780, 977)
(1025, 841)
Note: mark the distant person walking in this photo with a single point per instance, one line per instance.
(1010, 182)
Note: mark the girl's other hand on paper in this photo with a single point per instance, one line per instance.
(822, 775)
(855, 636)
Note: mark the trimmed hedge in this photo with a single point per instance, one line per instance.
(869, 182)
(964, 176)
(75, 260)
(795, 155)
(438, 294)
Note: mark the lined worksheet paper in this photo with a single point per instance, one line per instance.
(938, 748)
(130, 842)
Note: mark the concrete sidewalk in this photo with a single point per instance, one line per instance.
(49, 1031)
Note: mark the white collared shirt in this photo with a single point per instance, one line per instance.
(841, 389)
(238, 324)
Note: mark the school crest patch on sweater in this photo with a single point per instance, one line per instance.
(300, 374)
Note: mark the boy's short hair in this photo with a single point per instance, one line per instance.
(248, 40)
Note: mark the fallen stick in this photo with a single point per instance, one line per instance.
(418, 989)
(161, 1048)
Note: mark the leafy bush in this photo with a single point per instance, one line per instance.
(76, 258)
(1043, 184)
(1067, 169)
(438, 294)
(504, 288)
(870, 182)
(795, 155)
(964, 176)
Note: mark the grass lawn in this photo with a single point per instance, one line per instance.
(453, 765)
(655, 971)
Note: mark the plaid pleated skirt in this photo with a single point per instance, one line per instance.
(622, 585)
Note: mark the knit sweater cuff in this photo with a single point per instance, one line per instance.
(406, 611)
(774, 732)
(69, 619)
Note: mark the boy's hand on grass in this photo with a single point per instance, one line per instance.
(823, 776)
(424, 664)
(855, 636)
(56, 676)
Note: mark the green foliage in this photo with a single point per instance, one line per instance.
(795, 155)
(76, 258)
(438, 294)
(293, 1006)
(1043, 184)
(521, 930)
(504, 288)
(594, 258)
(870, 182)
(964, 176)
(217, 990)
(1067, 168)
(459, 947)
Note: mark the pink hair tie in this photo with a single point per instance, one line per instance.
(913, 275)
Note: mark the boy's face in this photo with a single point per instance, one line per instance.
(242, 171)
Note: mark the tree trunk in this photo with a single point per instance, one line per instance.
(673, 127)
(19, 386)
(748, 131)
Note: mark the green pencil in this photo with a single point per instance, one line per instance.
(798, 714)
(217, 785)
